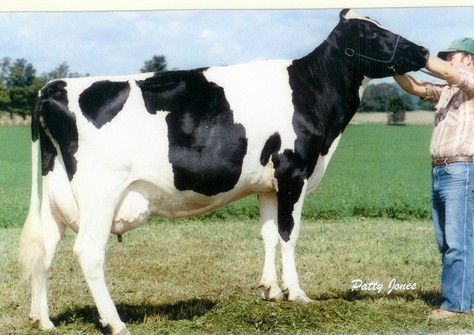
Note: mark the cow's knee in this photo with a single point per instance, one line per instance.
(91, 258)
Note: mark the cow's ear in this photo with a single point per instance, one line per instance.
(342, 14)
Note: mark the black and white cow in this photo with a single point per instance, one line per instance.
(116, 150)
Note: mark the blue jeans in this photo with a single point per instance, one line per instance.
(452, 206)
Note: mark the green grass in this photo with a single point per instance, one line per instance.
(377, 171)
(15, 175)
(201, 277)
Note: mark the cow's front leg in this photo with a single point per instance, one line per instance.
(268, 218)
(290, 204)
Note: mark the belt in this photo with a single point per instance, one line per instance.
(445, 161)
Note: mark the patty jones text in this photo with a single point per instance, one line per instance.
(393, 285)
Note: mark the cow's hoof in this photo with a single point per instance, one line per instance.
(113, 330)
(124, 331)
(43, 325)
(47, 325)
(299, 297)
(272, 293)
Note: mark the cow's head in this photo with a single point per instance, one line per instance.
(374, 50)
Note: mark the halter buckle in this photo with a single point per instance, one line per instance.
(349, 52)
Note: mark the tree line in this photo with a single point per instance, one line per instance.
(19, 84)
(385, 97)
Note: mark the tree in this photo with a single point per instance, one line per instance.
(4, 97)
(4, 69)
(377, 98)
(427, 105)
(396, 111)
(62, 71)
(21, 74)
(19, 84)
(156, 64)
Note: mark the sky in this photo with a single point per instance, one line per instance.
(119, 42)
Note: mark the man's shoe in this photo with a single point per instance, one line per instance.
(440, 314)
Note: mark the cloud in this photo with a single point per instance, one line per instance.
(209, 34)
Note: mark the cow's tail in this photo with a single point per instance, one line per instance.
(32, 249)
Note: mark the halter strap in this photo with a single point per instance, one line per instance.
(349, 52)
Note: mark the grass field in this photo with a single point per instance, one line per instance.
(15, 175)
(201, 278)
(368, 220)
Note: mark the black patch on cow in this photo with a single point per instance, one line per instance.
(48, 153)
(206, 147)
(103, 100)
(272, 146)
(60, 123)
(290, 185)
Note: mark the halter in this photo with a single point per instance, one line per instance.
(349, 52)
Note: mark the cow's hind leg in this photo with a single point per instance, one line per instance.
(268, 218)
(90, 248)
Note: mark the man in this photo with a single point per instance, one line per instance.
(452, 152)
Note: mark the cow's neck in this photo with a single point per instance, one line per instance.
(326, 93)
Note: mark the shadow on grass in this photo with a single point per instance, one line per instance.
(431, 298)
(182, 310)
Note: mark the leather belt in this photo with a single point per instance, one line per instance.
(445, 161)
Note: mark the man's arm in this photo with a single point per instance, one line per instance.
(437, 67)
(411, 85)
(443, 69)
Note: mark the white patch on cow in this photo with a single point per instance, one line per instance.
(321, 166)
(260, 97)
(57, 189)
(143, 198)
(363, 86)
(131, 213)
(353, 15)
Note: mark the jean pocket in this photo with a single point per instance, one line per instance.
(456, 169)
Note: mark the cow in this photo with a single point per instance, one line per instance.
(115, 150)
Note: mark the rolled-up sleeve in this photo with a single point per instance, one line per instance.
(433, 91)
